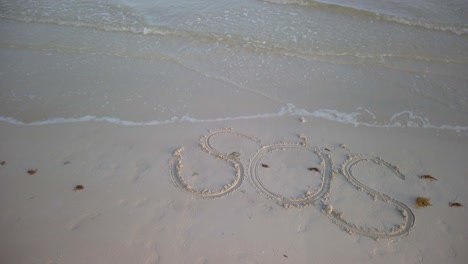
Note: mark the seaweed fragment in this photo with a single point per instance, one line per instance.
(427, 177)
(423, 201)
(79, 187)
(314, 169)
(31, 172)
(455, 204)
(265, 165)
(234, 155)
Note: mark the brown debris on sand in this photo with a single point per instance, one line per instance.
(428, 177)
(79, 187)
(423, 201)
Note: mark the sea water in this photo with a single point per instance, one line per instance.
(360, 62)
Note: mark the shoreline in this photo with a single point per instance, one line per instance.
(221, 142)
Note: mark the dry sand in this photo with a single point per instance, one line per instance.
(238, 195)
(130, 210)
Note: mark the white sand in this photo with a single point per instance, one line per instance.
(129, 210)
(132, 211)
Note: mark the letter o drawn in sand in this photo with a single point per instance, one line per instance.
(287, 202)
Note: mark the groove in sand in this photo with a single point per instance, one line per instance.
(318, 198)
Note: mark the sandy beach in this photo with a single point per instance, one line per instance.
(146, 146)
(131, 211)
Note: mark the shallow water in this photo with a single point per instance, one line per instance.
(373, 63)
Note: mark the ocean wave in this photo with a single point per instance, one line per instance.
(123, 19)
(119, 18)
(229, 40)
(113, 27)
(401, 119)
(381, 15)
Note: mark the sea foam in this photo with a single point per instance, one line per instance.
(352, 118)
